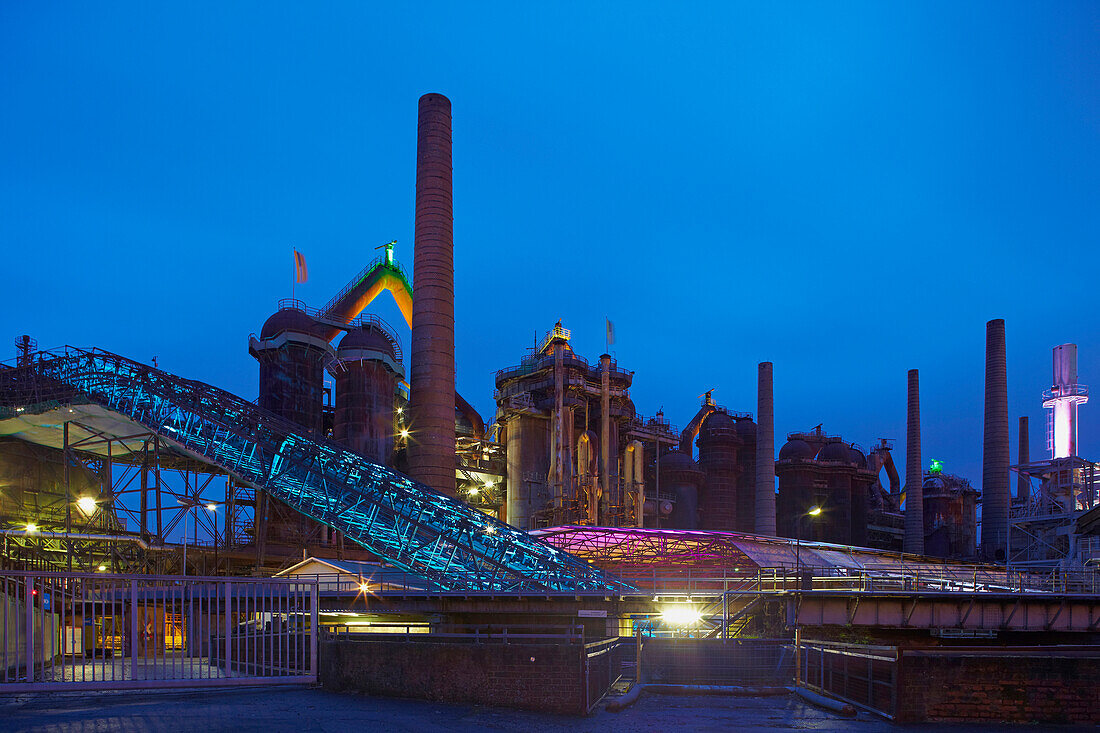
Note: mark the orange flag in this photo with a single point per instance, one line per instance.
(300, 272)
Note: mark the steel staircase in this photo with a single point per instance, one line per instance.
(451, 545)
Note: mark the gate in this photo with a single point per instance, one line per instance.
(99, 631)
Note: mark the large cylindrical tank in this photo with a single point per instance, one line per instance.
(527, 442)
(796, 471)
(367, 369)
(747, 493)
(718, 443)
(834, 524)
(292, 353)
(682, 478)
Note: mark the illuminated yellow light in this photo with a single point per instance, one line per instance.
(363, 587)
(32, 527)
(404, 433)
(489, 484)
(400, 410)
(102, 568)
(473, 491)
(212, 507)
(681, 616)
(490, 530)
(86, 504)
(814, 511)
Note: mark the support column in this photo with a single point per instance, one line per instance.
(144, 482)
(1023, 484)
(605, 436)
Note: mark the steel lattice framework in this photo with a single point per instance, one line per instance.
(440, 539)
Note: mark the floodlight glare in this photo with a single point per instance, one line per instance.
(681, 615)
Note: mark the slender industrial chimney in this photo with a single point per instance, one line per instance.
(1023, 484)
(431, 450)
(914, 475)
(995, 450)
(765, 451)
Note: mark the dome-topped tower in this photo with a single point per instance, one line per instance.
(367, 369)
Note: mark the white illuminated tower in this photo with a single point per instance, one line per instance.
(1062, 399)
(1043, 521)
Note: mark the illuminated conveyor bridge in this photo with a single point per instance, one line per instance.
(449, 544)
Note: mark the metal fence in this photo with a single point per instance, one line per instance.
(742, 662)
(100, 631)
(605, 663)
(864, 675)
(454, 633)
(716, 582)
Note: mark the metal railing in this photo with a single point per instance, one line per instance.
(713, 583)
(865, 676)
(99, 631)
(604, 664)
(454, 633)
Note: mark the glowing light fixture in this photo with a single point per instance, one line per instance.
(212, 507)
(473, 491)
(489, 484)
(86, 505)
(102, 568)
(681, 615)
(490, 529)
(814, 511)
(400, 410)
(404, 433)
(363, 587)
(32, 528)
(936, 467)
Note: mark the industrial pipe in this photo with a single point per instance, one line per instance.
(1023, 482)
(78, 536)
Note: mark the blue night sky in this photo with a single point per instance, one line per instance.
(848, 190)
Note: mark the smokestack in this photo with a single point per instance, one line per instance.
(914, 475)
(1023, 485)
(431, 449)
(765, 451)
(995, 451)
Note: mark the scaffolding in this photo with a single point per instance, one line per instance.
(1043, 523)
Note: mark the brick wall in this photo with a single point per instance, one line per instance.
(1042, 686)
(548, 678)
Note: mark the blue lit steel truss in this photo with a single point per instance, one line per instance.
(440, 539)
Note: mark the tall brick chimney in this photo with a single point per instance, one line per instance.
(431, 450)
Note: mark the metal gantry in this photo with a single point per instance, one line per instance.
(441, 539)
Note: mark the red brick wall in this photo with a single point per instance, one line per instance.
(547, 678)
(1036, 687)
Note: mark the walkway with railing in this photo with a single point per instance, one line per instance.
(436, 537)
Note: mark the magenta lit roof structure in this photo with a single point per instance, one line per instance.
(629, 548)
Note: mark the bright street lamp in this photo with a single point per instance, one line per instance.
(813, 511)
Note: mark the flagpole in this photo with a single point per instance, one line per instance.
(294, 282)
